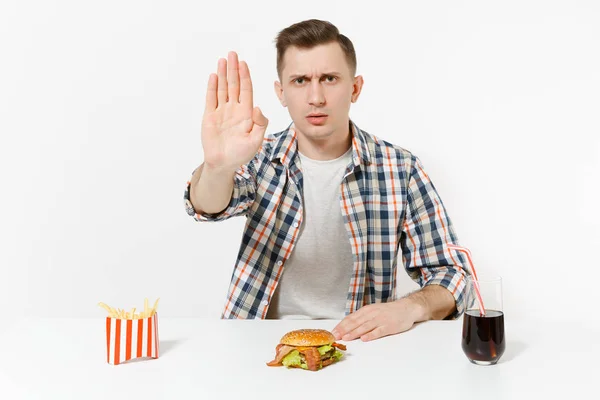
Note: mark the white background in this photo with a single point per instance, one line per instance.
(100, 110)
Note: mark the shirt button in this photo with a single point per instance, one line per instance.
(265, 302)
(279, 263)
(295, 225)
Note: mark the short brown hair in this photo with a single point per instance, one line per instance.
(310, 33)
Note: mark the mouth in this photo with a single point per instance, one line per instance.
(317, 118)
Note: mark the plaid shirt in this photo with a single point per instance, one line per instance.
(389, 206)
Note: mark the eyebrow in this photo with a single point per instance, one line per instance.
(296, 76)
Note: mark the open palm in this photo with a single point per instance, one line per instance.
(232, 128)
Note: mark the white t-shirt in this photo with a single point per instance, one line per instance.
(316, 276)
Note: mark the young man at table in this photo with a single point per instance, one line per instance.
(329, 207)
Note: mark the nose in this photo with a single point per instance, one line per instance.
(316, 95)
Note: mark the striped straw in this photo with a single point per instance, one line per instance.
(467, 252)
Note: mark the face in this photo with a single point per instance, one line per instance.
(318, 87)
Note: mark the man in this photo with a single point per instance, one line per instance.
(329, 208)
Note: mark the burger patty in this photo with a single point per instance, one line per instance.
(329, 354)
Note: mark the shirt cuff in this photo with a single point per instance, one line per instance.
(454, 282)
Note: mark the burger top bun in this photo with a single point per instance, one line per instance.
(308, 337)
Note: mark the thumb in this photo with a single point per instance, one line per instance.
(260, 125)
(258, 117)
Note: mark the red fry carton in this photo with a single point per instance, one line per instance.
(127, 339)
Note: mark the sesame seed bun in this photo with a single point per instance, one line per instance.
(308, 337)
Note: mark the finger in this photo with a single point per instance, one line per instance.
(258, 118)
(360, 330)
(376, 333)
(346, 325)
(350, 323)
(211, 93)
(259, 127)
(222, 84)
(233, 77)
(245, 84)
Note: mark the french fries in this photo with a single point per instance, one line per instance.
(122, 314)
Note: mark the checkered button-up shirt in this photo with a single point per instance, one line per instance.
(390, 208)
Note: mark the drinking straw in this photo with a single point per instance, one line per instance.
(467, 252)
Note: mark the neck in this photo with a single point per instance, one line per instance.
(328, 148)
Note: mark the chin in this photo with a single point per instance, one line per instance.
(316, 132)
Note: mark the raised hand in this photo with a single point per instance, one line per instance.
(232, 128)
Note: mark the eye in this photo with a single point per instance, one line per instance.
(330, 78)
(299, 81)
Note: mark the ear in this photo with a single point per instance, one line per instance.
(279, 93)
(357, 87)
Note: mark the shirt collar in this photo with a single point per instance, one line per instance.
(285, 147)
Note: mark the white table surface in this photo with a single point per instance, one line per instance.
(214, 359)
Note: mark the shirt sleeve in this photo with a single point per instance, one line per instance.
(427, 232)
(244, 194)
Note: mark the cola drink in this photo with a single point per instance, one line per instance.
(483, 339)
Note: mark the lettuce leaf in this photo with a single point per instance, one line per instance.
(324, 349)
(294, 359)
(337, 355)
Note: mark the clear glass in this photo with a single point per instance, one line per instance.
(483, 340)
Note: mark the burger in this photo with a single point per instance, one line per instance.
(310, 349)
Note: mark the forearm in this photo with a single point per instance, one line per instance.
(211, 190)
(431, 302)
